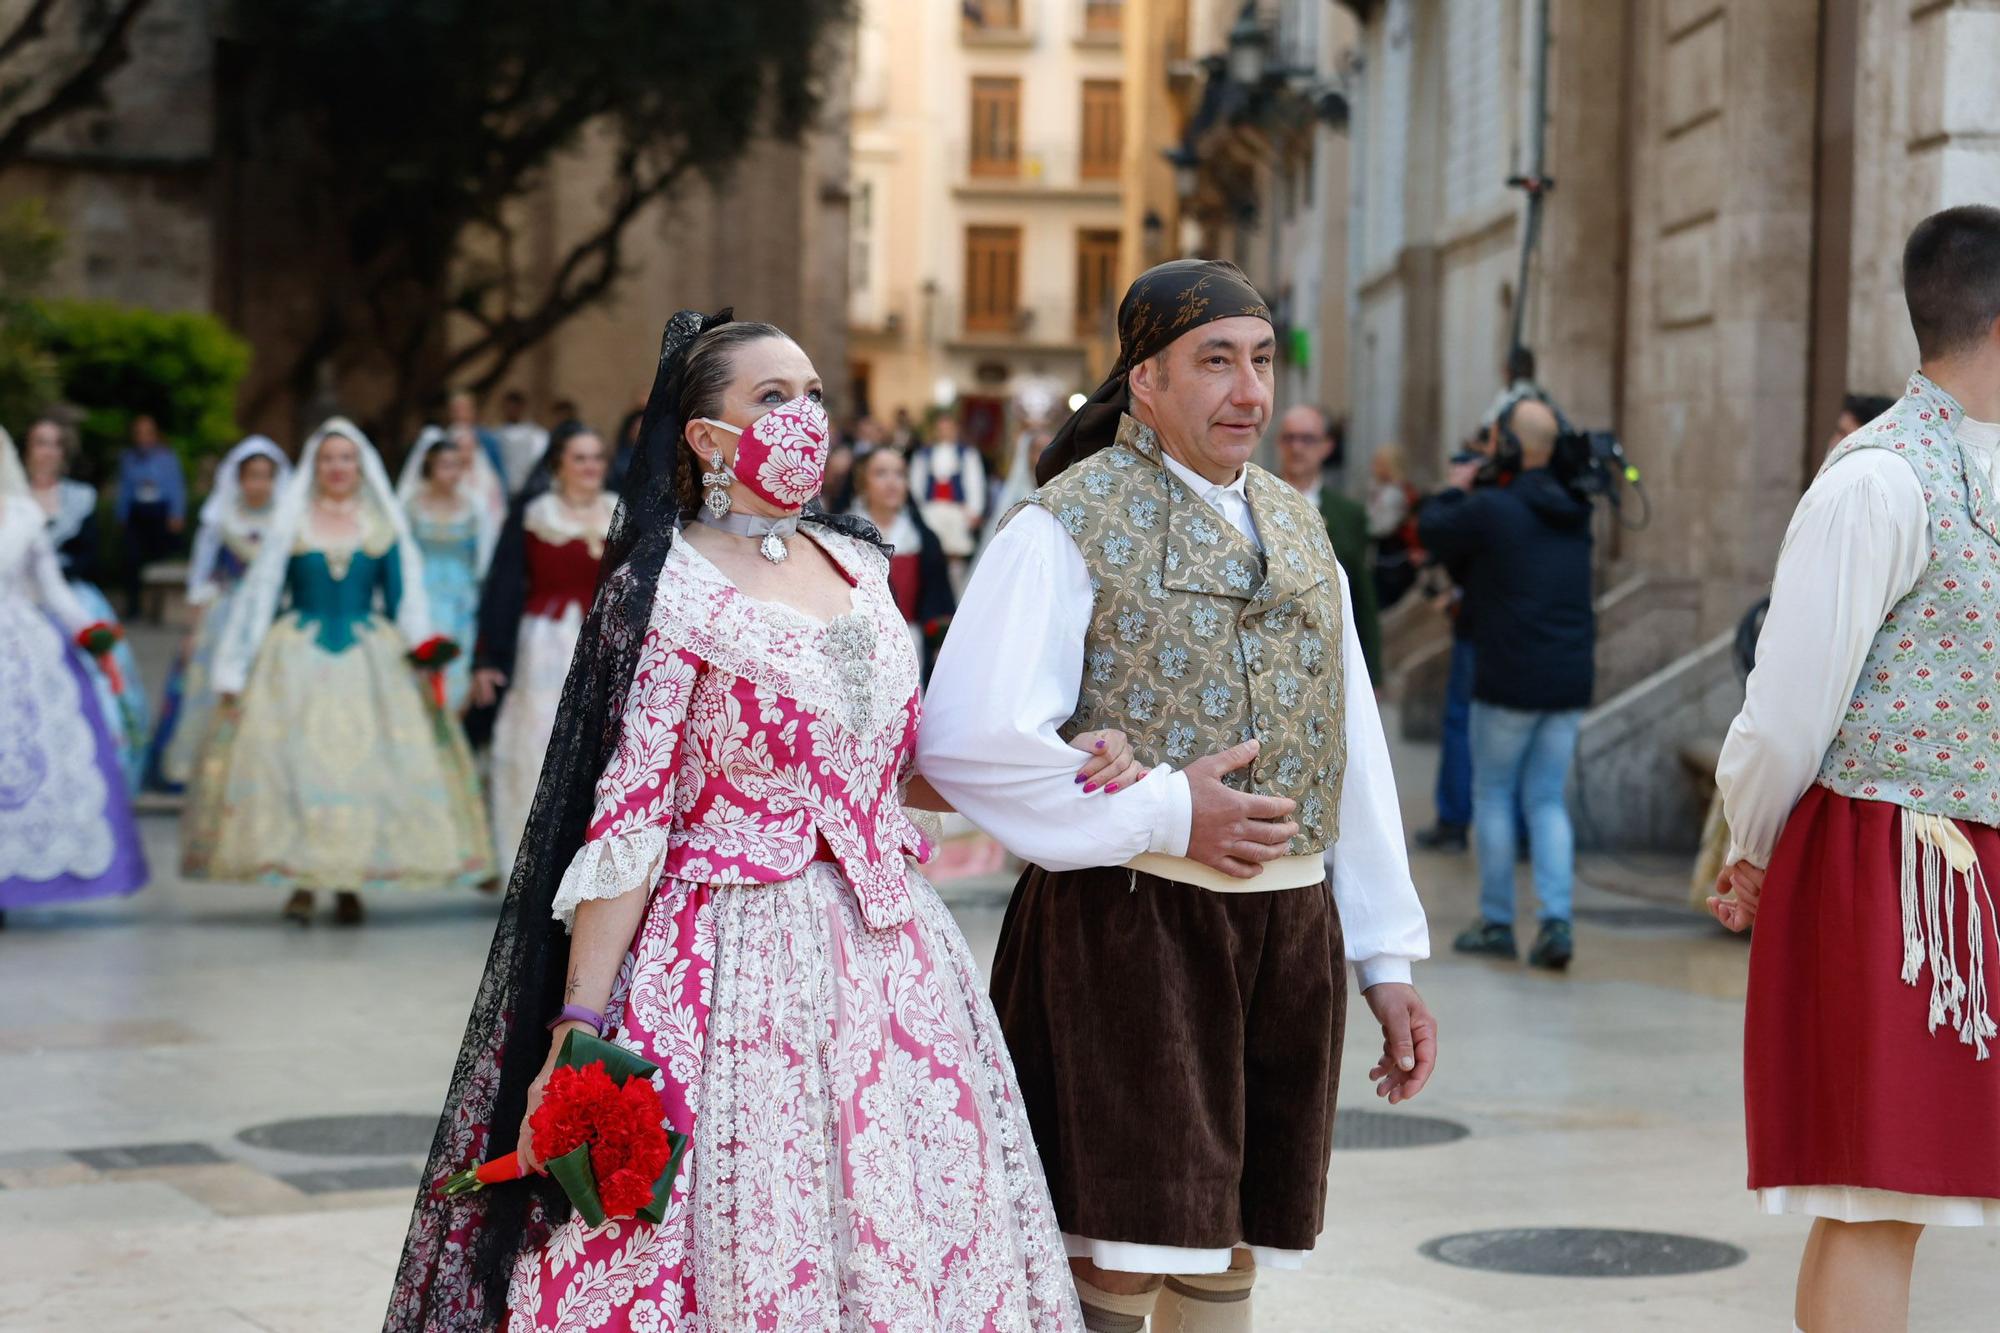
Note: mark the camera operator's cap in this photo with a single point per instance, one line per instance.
(1163, 303)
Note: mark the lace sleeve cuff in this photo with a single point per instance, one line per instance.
(611, 867)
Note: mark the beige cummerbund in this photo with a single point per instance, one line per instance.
(1287, 872)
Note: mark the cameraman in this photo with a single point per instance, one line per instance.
(1523, 548)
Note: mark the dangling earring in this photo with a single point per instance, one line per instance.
(716, 485)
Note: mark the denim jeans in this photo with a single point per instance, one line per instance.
(1454, 781)
(1522, 761)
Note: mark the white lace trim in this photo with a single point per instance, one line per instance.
(611, 867)
(793, 655)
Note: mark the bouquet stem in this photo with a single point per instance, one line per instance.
(476, 1178)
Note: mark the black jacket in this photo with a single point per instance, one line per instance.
(1524, 554)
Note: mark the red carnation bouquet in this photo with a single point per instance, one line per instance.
(601, 1131)
(98, 639)
(434, 655)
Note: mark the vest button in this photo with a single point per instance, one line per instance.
(1312, 620)
(1263, 774)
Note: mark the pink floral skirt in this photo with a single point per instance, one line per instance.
(860, 1158)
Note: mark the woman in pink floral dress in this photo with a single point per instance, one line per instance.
(721, 827)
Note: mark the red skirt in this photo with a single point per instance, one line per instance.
(1843, 1082)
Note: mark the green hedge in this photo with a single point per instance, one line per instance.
(117, 362)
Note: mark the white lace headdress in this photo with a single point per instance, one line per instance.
(224, 507)
(13, 476)
(483, 491)
(257, 604)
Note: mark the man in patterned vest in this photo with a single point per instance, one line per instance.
(1171, 970)
(1861, 787)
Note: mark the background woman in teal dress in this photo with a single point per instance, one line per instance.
(329, 766)
(454, 537)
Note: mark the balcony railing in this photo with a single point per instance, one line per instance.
(1038, 168)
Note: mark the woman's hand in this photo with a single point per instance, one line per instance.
(1111, 765)
(530, 1161)
(487, 682)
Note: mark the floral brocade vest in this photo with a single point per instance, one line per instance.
(1922, 729)
(1198, 642)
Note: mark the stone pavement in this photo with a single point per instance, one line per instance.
(148, 1048)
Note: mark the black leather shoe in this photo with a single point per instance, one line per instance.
(1443, 838)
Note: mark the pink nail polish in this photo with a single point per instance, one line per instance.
(1089, 787)
(1112, 787)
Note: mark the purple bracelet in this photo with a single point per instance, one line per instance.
(576, 1013)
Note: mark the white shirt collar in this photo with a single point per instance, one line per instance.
(1202, 486)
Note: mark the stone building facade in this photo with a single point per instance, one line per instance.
(988, 164)
(1718, 265)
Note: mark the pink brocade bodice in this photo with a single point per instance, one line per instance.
(752, 732)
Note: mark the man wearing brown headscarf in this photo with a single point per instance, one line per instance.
(1170, 974)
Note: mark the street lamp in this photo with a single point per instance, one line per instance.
(1249, 45)
(1153, 228)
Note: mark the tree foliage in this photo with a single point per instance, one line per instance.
(115, 362)
(407, 127)
(29, 244)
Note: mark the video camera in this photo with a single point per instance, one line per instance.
(1590, 463)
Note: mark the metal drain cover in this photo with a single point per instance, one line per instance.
(347, 1136)
(1581, 1252)
(1357, 1130)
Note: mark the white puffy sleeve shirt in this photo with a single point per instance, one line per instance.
(1857, 544)
(1007, 679)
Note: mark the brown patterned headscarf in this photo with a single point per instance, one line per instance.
(1163, 303)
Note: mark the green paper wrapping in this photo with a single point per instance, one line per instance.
(579, 1048)
(572, 1171)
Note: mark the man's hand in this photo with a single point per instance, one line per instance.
(1233, 831)
(1462, 476)
(1409, 1040)
(1743, 884)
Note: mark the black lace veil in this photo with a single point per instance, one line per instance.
(459, 1254)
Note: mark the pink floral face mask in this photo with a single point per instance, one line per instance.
(781, 458)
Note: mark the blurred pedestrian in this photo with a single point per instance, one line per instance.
(522, 442)
(1305, 449)
(330, 766)
(1523, 553)
(948, 478)
(1856, 411)
(456, 536)
(239, 508)
(477, 479)
(1862, 795)
(151, 505)
(1392, 514)
(720, 872)
(1518, 375)
(919, 577)
(66, 826)
(543, 577)
(71, 507)
(626, 447)
(462, 414)
(837, 492)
